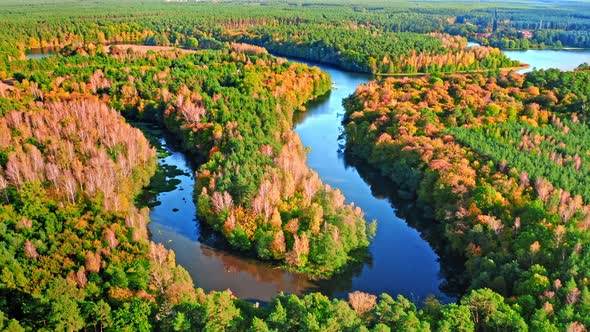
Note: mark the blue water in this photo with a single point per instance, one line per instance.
(402, 261)
(545, 59)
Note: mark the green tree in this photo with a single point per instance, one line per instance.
(9, 325)
(489, 311)
(455, 318)
(278, 315)
(221, 313)
(133, 316)
(258, 325)
(192, 43)
(399, 314)
(65, 315)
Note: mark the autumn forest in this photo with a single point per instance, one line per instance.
(495, 161)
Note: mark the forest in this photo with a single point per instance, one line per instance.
(377, 37)
(363, 49)
(498, 158)
(253, 186)
(500, 162)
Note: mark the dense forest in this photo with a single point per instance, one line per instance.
(501, 162)
(500, 159)
(368, 50)
(507, 24)
(355, 47)
(253, 186)
(376, 37)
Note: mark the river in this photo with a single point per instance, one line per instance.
(199, 251)
(401, 261)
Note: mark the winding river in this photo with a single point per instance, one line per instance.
(401, 261)
(174, 224)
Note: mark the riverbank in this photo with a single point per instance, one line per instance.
(401, 260)
(213, 266)
(383, 270)
(546, 49)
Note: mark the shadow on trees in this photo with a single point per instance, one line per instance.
(23, 307)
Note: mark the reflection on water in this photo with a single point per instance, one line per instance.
(215, 269)
(400, 261)
(39, 53)
(420, 218)
(174, 224)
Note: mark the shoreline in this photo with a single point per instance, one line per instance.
(503, 69)
(546, 49)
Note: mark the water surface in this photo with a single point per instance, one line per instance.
(39, 53)
(174, 224)
(545, 59)
(402, 261)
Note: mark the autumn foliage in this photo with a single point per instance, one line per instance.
(78, 147)
(232, 110)
(495, 158)
(69, 170)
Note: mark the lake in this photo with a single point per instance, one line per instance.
(564, 59)
(545, 59)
